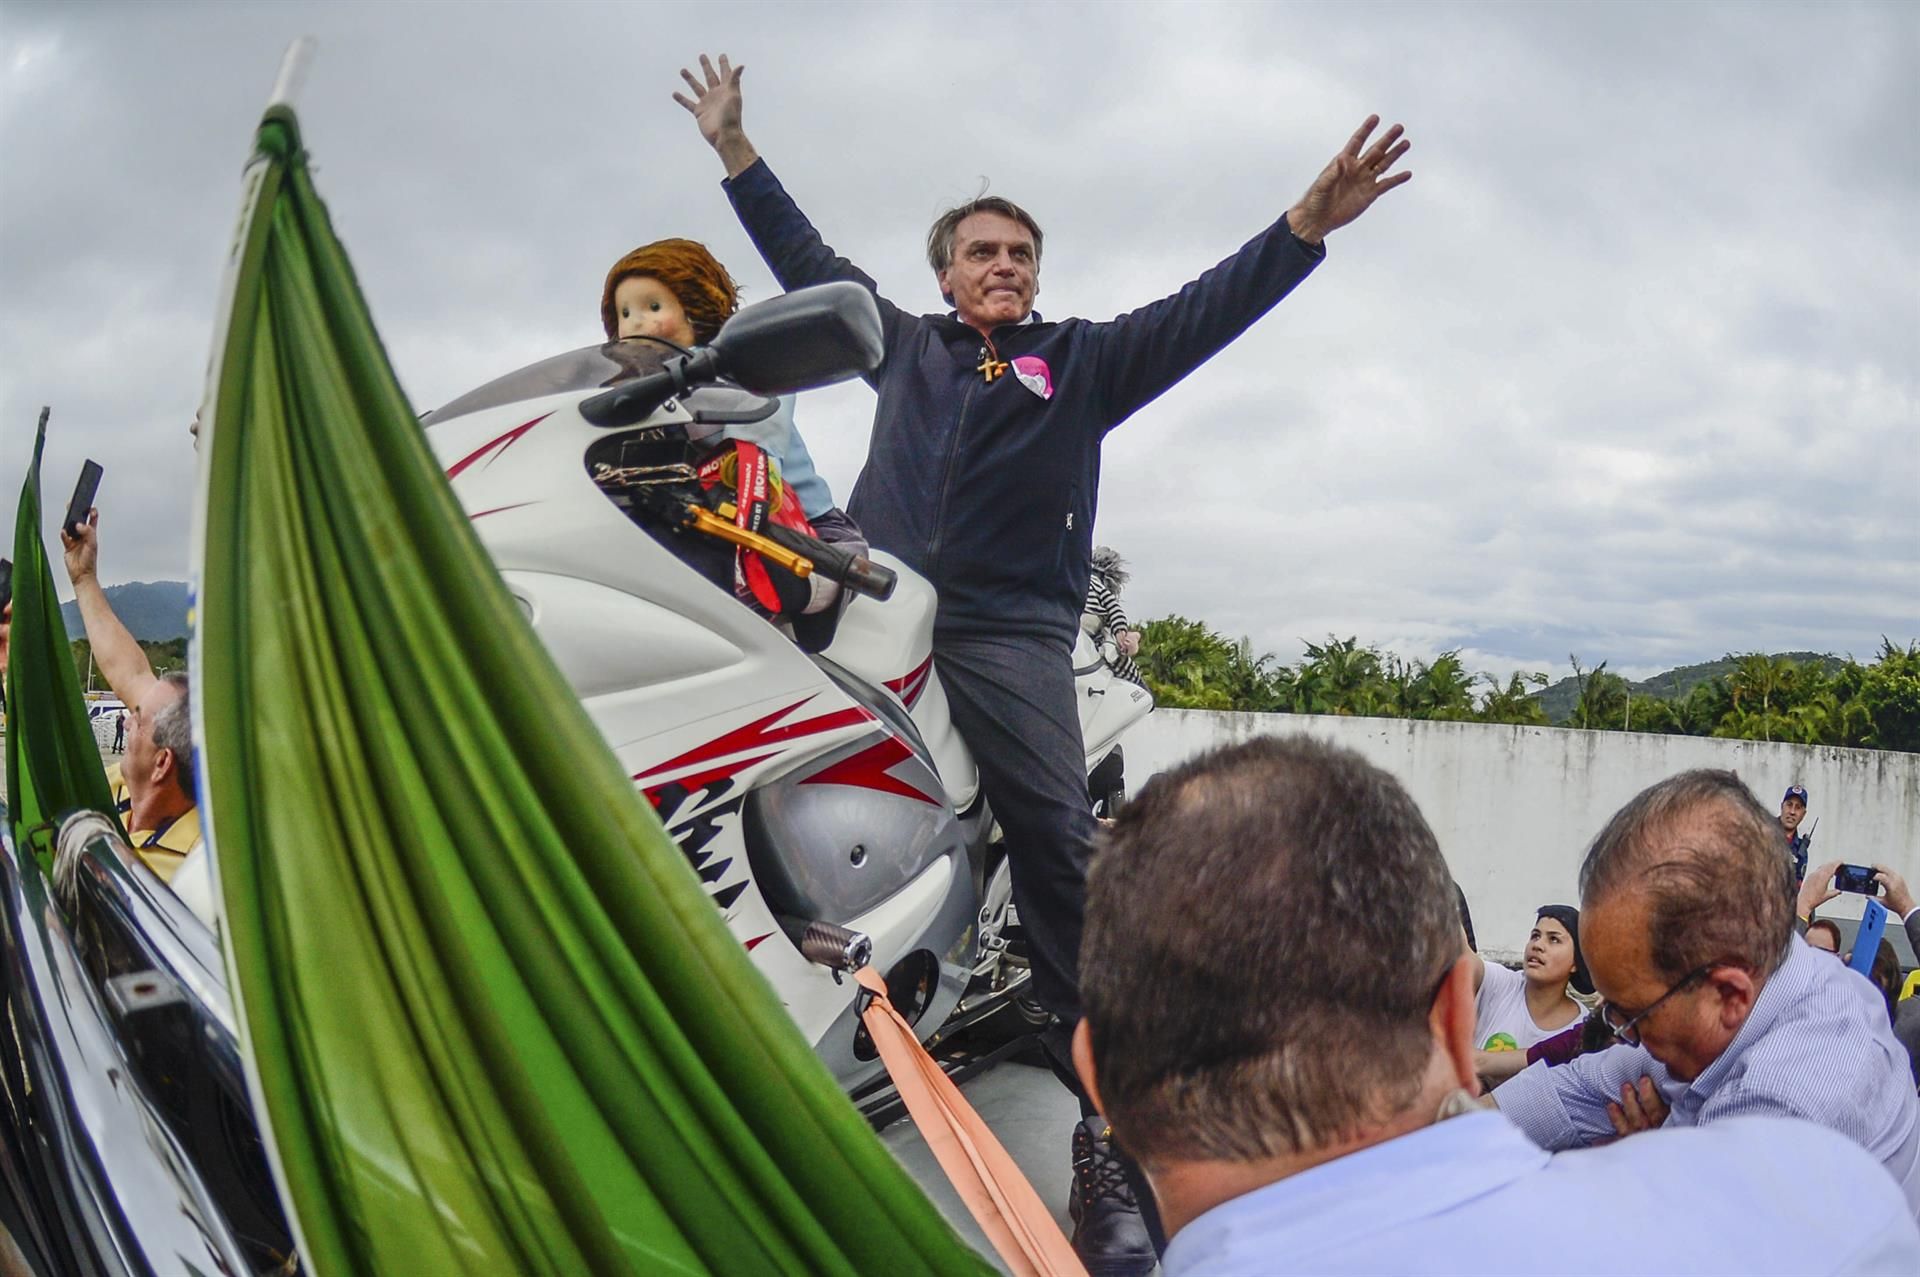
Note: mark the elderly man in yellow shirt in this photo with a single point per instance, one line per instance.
(153, 785)
(153, 788)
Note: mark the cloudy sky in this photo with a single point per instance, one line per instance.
(1627, 370)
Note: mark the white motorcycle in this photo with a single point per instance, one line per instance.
(825, 799)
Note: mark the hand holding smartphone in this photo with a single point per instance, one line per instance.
(1857, 879)
(83, 494)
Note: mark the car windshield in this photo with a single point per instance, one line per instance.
(588, 368)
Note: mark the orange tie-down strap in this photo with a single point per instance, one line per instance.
(1016, 1221)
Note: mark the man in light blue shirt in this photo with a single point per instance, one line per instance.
(1288, 1051)
(1688, 926)
(1473, 1195)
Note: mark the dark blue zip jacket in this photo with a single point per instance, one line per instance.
(988, 489)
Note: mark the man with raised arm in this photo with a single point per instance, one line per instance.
(982, 474)
(153, 787)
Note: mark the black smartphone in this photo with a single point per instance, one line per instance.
(6, 582)
(83, 494)
(1856, 878)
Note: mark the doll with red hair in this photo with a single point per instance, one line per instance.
(675, 290)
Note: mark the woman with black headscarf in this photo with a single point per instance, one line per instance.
(1519, 1008)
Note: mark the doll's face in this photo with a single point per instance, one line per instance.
(645, 307)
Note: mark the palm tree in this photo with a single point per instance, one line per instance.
(1756, 682)
(1259, 684)
(1703, 708)
(1603, 697)
(1652, 714)
(1189, 666)
(1890, 693)
(1514, 703)
(1341, 677)
(1442, 690)
(1186, 665)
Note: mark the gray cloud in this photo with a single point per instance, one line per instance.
(1628, 369)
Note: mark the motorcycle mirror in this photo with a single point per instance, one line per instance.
(807, 338)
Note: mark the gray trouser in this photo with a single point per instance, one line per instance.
(1013, 703)
(1013, 700)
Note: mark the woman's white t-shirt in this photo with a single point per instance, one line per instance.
(1504, 1024)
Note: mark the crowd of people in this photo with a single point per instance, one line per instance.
(1269, 1068)
(1307, 1058)
(982, 474)
(1302, 1067)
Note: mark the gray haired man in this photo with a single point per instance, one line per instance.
(1722, 1011)
(1288, 1051)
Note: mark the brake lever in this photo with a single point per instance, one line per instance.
(691, 516)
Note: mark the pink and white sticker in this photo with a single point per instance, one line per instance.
(1034, 374)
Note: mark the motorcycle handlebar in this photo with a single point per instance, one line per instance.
(636, 400)
(855, 571)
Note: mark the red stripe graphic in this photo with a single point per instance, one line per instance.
(700, 780)
(761, 732)
(494, 446)
(868, 770)
(497, 509)
(909, 685)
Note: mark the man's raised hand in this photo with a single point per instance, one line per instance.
(82, 552)
(1350, 183)
(715, 103)
(715, 107)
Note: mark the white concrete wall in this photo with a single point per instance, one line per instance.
(1515, 807)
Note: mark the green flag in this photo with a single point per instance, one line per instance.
(53, 762)
(495, 1025)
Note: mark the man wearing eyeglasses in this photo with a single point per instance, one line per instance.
(1292, 1062)
(1722, 1011)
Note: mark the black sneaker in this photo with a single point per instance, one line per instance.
(1109, 1235)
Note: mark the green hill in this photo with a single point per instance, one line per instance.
(152, 610)
(1558, 699)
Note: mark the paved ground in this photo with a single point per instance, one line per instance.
(1031, 1113)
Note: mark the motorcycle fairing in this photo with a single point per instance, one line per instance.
(890, 645)
(652, 648)
(707, 705)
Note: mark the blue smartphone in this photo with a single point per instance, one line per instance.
(1866, 941)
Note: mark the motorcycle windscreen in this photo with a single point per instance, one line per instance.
(53, 761)
(493, 1023)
